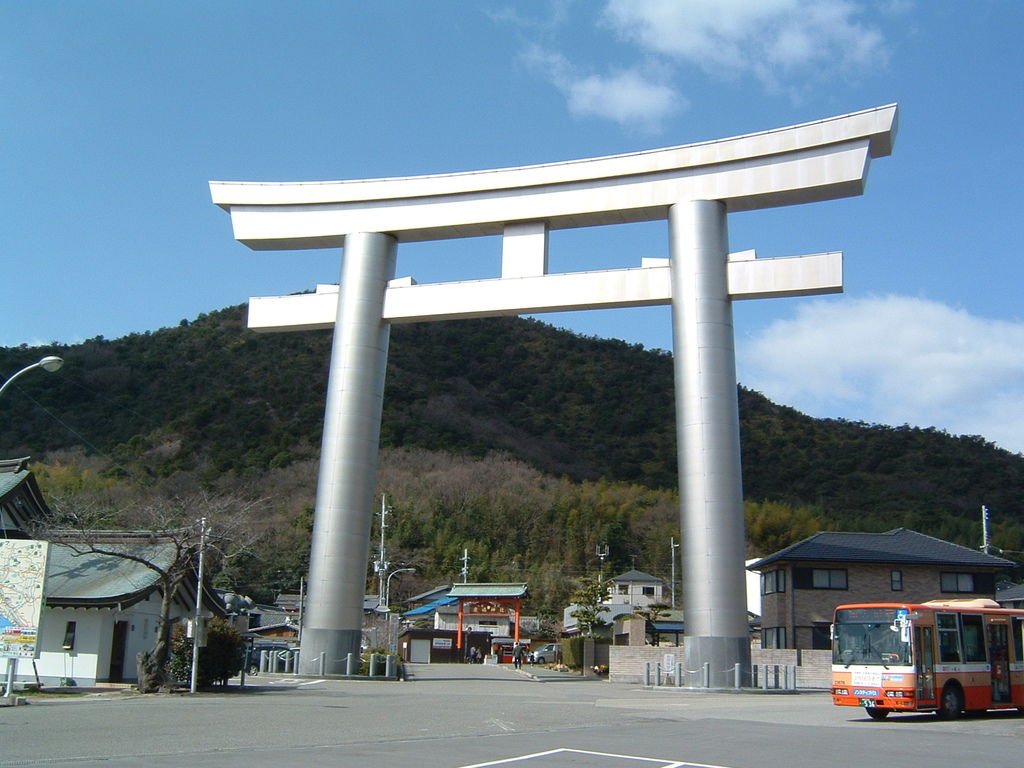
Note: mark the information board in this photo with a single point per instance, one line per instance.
(22, 576)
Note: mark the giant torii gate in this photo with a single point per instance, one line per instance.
(694, 187)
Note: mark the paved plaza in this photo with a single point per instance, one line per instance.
(463, 716)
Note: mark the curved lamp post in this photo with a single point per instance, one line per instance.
(387, 590)
(48, 363)
(51, 364)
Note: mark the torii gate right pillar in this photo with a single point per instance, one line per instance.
(708, 443)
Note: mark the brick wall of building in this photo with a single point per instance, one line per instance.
(799, 610)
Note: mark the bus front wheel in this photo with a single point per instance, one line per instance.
(951, 705)
(876, 714)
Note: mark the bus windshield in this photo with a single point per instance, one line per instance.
(875, 636)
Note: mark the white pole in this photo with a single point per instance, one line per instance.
(11, 664)
(382, 563)
(672, 548)
(984, 529)
(199, 608)
(302, 601)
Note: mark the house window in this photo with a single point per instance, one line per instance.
(956, 582)
(69, 635)
(829, 578)
(648, 591)
(896, 581)
(623, 589)
(773, 581)
(773, 637)
(819, 578)
(821, 636)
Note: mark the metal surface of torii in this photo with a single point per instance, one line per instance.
(694, 187)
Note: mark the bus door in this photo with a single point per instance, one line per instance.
(924, 652)
(998, 654)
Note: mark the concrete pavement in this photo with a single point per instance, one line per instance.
(458, 716)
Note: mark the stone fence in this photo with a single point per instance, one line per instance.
(626, 664)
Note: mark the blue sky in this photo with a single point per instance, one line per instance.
(115, 115)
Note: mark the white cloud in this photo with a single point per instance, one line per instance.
(629, 96)
(784, 44)
(770, 39)
(894, 360)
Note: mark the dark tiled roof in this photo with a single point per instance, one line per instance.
(21, 501)
(431, 594)
(636, 576)
(899, 546)
(1015, 592)
(78, 578)
(72, 575)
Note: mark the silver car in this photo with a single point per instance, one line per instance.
(545, 654)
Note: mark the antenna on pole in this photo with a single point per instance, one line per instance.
(601, 555)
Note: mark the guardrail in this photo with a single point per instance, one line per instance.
(764, 676)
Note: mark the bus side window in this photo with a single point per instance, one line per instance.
(1018, 639)
(949, 638)
(974, 638)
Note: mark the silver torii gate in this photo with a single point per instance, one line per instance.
(694, 187)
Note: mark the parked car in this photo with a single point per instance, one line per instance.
(546, 654)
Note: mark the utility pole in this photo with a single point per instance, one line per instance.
(465, 566)
(672, 553)
(984, 529)
(196, 634)
(381, 565)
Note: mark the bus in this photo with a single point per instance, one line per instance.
(943, 656)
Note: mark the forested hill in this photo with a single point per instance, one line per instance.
(212, 398)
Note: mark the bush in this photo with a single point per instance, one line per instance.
(220, 660)
(572, 652)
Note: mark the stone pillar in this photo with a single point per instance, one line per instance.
(333, 617)
(708, 442)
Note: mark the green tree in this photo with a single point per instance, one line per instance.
(651, 613)
(588, 600)
(219, 660)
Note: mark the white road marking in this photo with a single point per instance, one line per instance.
(660, 762)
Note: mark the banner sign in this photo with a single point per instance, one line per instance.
(485, 608)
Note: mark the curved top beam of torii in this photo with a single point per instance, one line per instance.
(821, 160)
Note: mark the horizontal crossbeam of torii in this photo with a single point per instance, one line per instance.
(694, 187)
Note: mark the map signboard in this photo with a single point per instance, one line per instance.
(22, 572)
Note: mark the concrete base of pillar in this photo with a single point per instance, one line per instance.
(722, 654)
(337, 644)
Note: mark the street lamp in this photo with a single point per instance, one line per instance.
(387, 586)
(48, 363)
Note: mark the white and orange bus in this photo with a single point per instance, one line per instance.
(943, 656)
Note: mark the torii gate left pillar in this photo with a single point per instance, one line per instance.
(348, 458)
(693, 187)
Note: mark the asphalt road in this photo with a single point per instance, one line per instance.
(455, 716)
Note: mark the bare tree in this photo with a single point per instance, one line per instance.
(165, 536)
